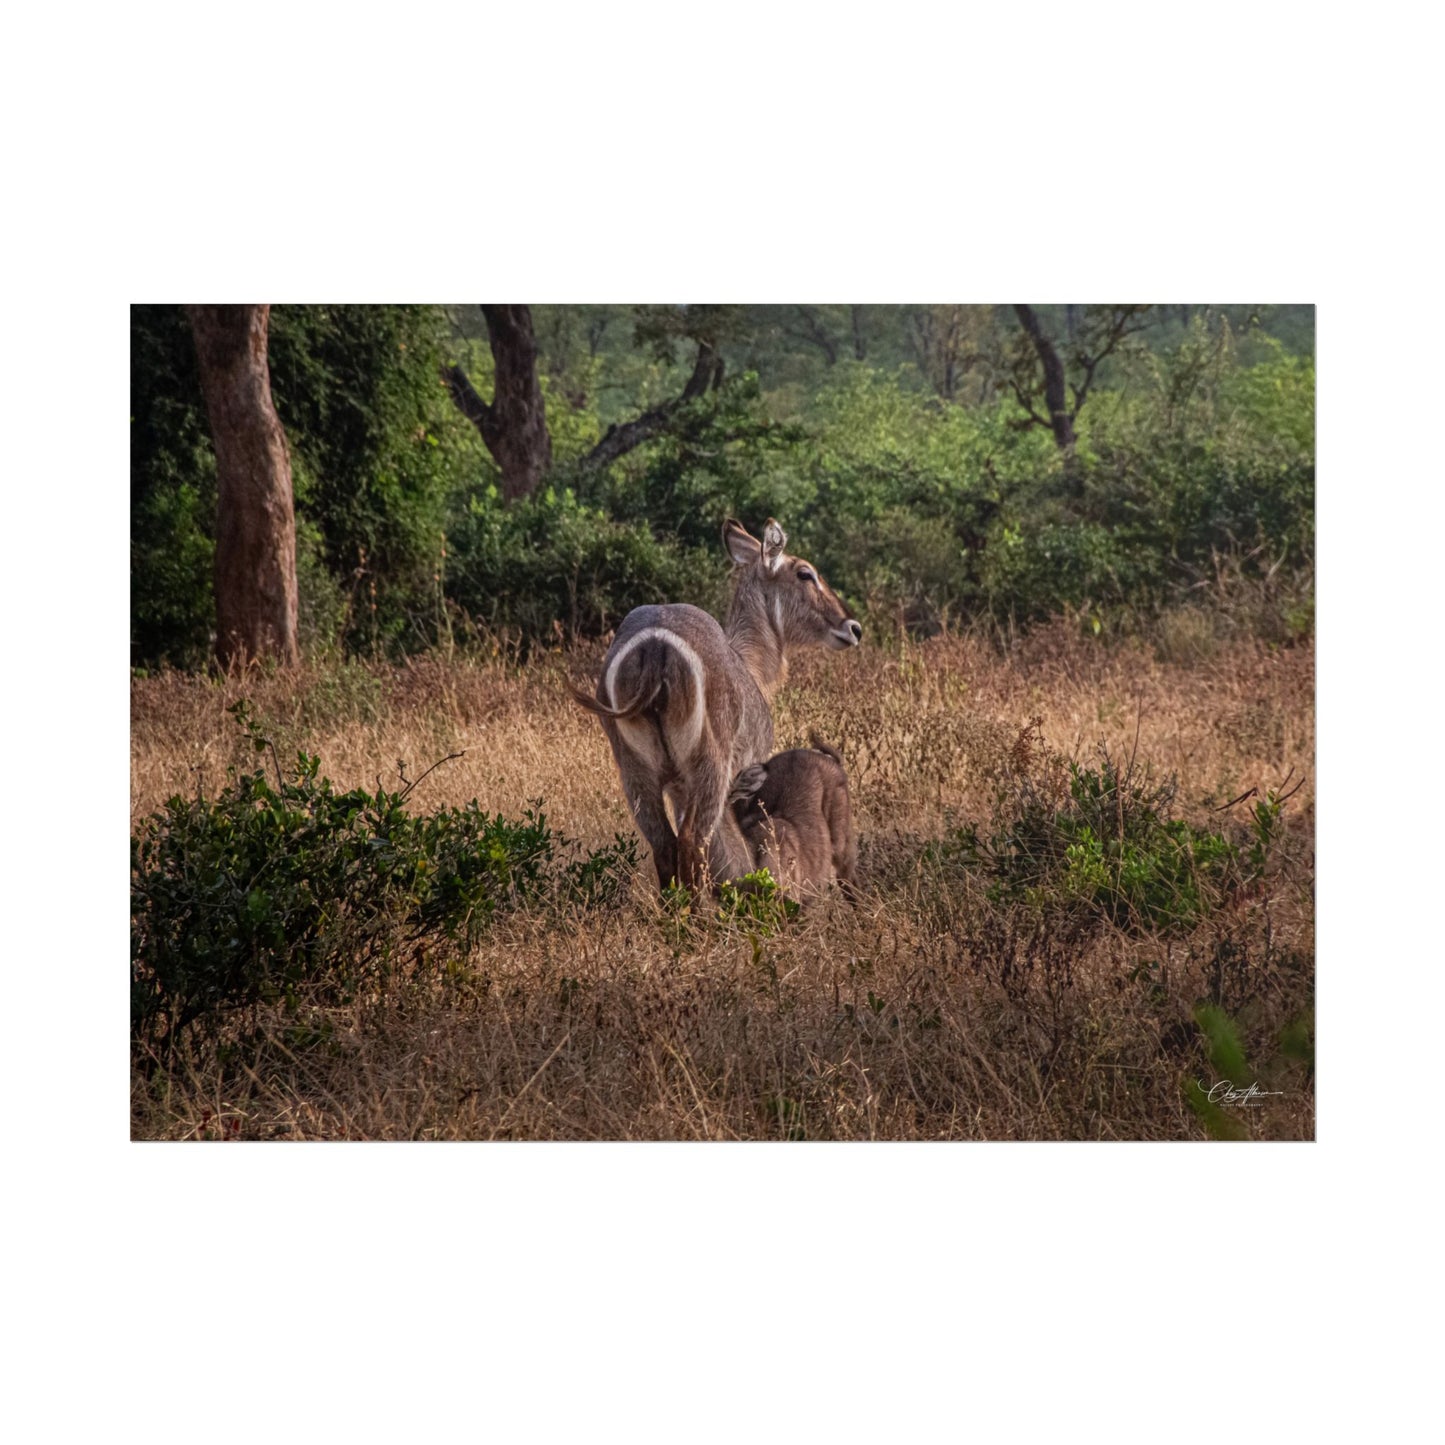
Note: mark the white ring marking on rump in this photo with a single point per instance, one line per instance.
(686, 745)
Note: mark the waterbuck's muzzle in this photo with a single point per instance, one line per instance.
(850, 634)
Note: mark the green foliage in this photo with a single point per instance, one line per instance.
(923, 487)
(1053, 561)
(172, 494)
(1218, 1123)
(570, 399)
(956, 511)
(550, 563)
(599, 879)
(1198, 455)
(376, 450)
(173, 562)
(1225, 1051)
(275, 893)
(1297, 1040)
(323, 603)
(787, 1116)
(662, 330)
(1193, 481)
(722, 456)
(1111, 849)
(675, 914)
(757, 902)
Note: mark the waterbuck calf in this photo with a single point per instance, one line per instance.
(684, 702)
(796, 818)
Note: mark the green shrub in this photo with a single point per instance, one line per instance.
(916, 492)
(268, 894)
(1289, 1058)
(377, 448)
(1111, 849)
(1049, 563)
(723, 456)
(600, 878)
(756, 901)
(1201, 456)
(172, 494)
(550, 563)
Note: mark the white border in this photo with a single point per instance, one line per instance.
(766, 153)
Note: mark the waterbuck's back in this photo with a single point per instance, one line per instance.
(680, 692)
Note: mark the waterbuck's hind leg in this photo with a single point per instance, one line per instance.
(702, 800)
(645, 797)
(728, 853)
(652, 823)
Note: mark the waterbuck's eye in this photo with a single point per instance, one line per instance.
(806, 574)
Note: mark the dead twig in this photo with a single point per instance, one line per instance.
(1252, 792)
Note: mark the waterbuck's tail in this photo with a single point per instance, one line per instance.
(639, 704)
(827, 749)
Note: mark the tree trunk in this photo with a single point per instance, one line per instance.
(860, 351)
(514, 423)
(255, 515)
(1055, 394)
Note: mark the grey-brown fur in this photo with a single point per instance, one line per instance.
(796, 818)
(679, 731)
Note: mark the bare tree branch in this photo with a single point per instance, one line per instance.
(618, 440)
(1116, 329)
(470, 402)
(1025, 400)
(814, 333)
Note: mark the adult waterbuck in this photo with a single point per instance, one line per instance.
(684, 702)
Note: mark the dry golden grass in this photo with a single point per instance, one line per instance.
(918, 1014)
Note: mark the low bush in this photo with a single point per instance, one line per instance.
(1102, 841)
(268, 894)
(756, 903)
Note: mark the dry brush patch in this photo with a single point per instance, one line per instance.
(931, 1010)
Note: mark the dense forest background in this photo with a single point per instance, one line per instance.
(946, 466)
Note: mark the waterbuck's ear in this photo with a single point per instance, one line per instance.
(774, 540)
(747, 783)
(742, 546)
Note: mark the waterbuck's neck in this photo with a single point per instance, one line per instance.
(755, 637)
